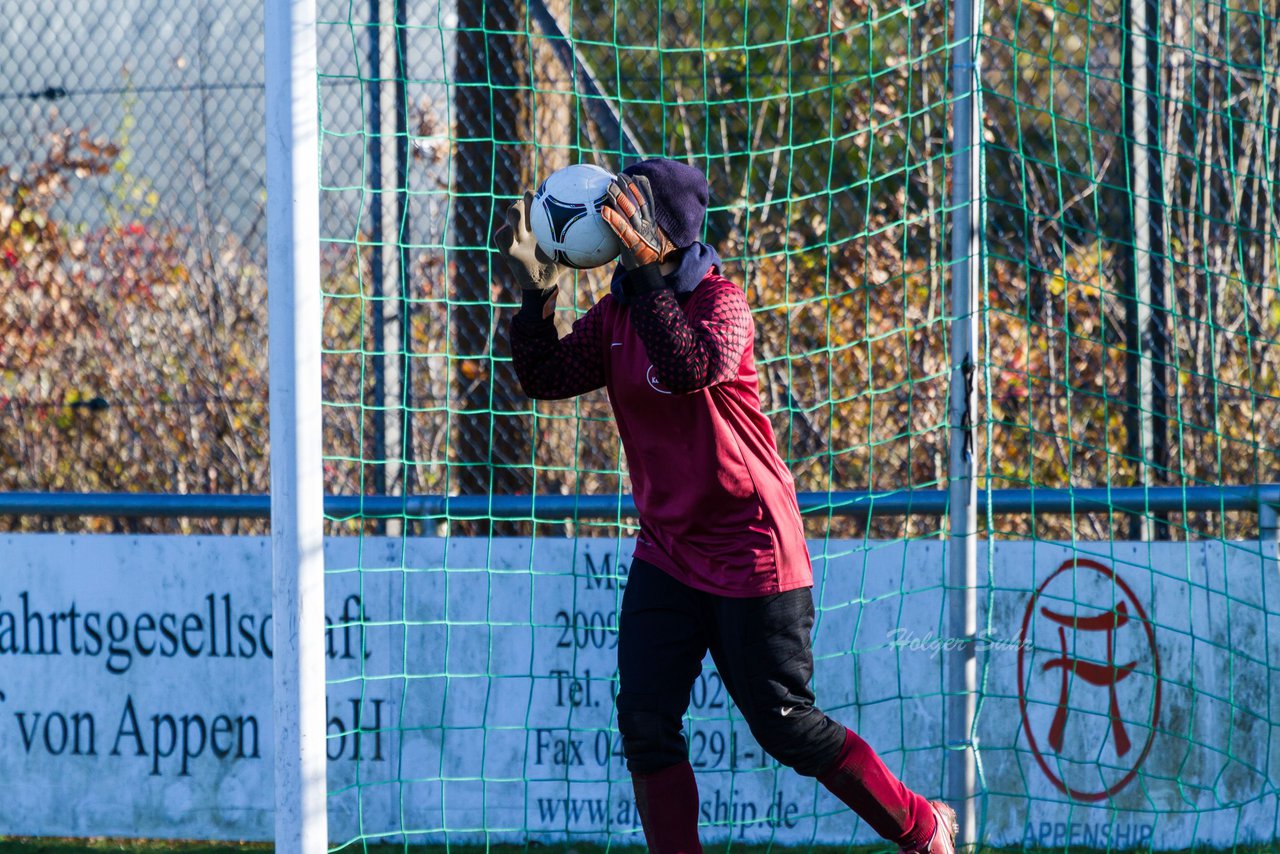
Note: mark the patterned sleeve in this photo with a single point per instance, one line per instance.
(701, 350)
(553, 368)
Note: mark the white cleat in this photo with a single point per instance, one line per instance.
(943, 840)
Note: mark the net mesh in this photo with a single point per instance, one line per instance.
(1127, 310)
(1132, 228)
(1129, 313)
(823, 133)
(1128, 323)
(825, 152)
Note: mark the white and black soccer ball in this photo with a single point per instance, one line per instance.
(566, 217)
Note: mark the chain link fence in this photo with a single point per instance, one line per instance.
(132, 243)
(1129, 318)
(134, 323)
(1134, 186)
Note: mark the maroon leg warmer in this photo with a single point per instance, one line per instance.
(860, 779)
(667, 801)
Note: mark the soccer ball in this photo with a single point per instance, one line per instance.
(566, 217)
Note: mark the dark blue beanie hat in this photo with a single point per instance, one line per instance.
(680, 195)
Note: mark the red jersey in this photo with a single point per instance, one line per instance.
(717, 504)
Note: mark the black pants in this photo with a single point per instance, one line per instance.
(761, 648)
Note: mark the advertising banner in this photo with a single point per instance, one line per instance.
(1126, 691)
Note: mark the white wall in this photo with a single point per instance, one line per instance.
(482, 711)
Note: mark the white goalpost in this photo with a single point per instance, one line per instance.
(297, 484)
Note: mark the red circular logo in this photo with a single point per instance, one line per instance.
(1088, 680)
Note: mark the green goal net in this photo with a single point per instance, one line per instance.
(1127, 310)
(1129, 326)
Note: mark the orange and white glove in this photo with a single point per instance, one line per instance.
(629, 212)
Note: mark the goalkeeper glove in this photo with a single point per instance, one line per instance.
(629, 212)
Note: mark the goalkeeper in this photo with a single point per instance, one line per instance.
(720, 562)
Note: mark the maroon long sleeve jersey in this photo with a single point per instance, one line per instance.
(717, 504)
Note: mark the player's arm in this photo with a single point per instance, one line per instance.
(697, 351)
(688, 353)
(548, 367)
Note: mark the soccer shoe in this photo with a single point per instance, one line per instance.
(943, 840)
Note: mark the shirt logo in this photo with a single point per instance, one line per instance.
(652, 376)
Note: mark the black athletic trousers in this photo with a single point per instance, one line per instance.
(762, 651)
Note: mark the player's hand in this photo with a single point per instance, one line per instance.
(533, 268)
(629, 213)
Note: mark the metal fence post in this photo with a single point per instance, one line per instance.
(1268, 525)
(966, 273)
